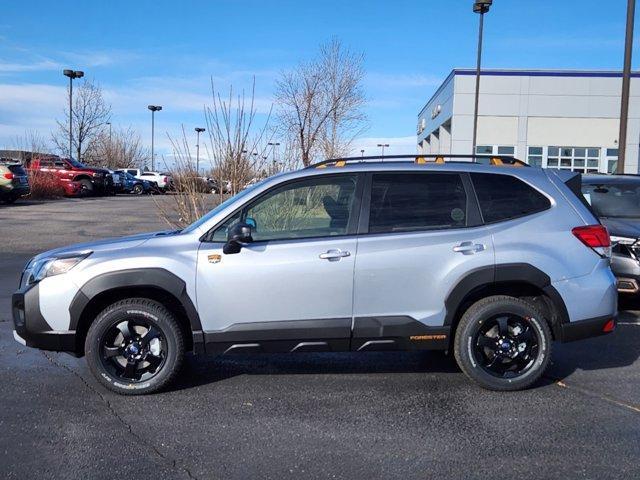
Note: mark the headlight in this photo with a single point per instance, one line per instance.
(50, 266)
(623, 240)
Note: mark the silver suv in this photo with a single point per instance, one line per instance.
(493, 262)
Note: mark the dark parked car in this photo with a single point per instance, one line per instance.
(616, 200)
(14, 182)
(131, 184)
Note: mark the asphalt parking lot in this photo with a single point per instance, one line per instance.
(376, 415)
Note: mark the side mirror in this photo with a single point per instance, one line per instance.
(237, 235)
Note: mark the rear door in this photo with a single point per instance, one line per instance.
(420, 234)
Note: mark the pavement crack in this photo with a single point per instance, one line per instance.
(172, 461)
(605, 398)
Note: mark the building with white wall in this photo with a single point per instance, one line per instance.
(551, 118)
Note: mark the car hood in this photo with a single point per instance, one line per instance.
(107, 244)
(622, 227)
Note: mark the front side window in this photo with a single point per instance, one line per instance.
(503, 197)
(402, 202)
(317, 207)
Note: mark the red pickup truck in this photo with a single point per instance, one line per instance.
(92, 180)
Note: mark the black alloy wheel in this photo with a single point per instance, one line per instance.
(133, 350)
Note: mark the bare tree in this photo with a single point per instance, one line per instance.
(120, 148)
(90, 113)
(237, 144)
(321, 102)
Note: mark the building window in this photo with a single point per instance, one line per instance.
(534, 156)
(612, 160)
(495, 150)
(578, 159)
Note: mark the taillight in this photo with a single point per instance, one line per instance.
(166, 180)
(8, 176)
(595, 237)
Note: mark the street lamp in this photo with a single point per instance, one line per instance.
(154, 109)
(72, 74)
(481, 7)
(109, 123)
(362, 153)
(275, 149)
(383, 145)
(199, 130)
(626, 80)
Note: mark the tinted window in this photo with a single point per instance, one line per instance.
(503, 197)
(408, 201)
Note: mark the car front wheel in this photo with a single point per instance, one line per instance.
(135, 346)
(503, 343)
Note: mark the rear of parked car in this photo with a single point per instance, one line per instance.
(14, 182)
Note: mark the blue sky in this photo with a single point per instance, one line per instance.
(165, 52)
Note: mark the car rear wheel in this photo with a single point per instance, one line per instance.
(503, 343)
(134, 347)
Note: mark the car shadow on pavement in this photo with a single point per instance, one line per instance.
(202, 370)
(617, 350)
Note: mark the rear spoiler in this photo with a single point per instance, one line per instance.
(573, 180)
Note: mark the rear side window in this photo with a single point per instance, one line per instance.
(503, 197)
(402, 202)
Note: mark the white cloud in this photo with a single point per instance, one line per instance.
(39, 65)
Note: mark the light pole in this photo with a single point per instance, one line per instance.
(72, 74)
(383, 145)
(275, 146)
(109, 123)
(362, 153)
(626, 77)
(481, 7)
(199, 130)
(154, 109)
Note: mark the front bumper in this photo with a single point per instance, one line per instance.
(32, 328)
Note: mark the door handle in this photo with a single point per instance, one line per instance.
(469, 248)
(334, 255)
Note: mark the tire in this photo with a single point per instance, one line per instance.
(87, 186)
(120, 358)
(489, 343)
(138, 189)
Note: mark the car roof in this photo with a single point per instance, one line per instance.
(610, 179)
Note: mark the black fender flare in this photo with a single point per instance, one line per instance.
(503, 274)
(158, 278)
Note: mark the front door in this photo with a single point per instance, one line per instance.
(291, 289)
(422, 236)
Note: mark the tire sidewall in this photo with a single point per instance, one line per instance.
(111, 317)
(470, 325)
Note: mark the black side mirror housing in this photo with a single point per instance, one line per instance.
(237, 235)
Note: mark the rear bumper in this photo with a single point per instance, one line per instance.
(592, 327)
(30, 327)
(627, 272)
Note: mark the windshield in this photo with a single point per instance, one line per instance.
(221, 207)
(620, 200)
(75, 163)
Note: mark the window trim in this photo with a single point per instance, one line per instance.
(351, 226)
(473, 209)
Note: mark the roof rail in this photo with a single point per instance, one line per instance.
(496, 160)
